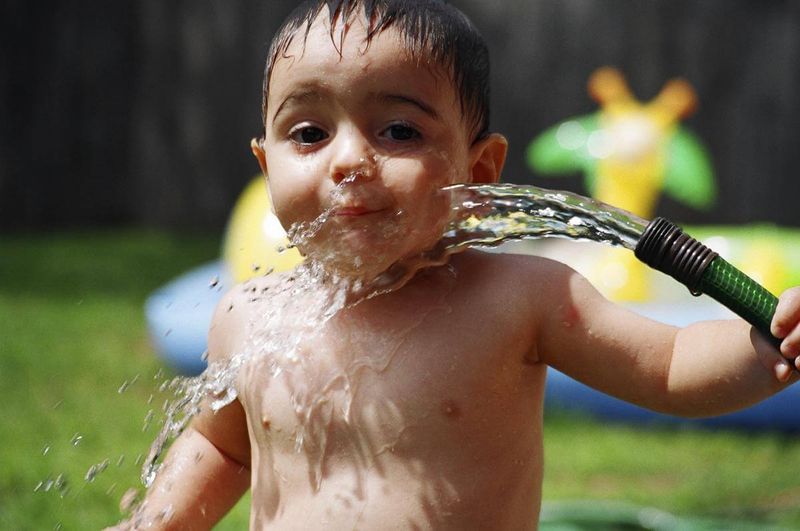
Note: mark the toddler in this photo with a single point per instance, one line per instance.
(419, 408)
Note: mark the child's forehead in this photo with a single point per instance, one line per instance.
(349, 40)
(320, 68)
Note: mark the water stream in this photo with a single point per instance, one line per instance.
(488, 215)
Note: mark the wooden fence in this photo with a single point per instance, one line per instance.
(139, 112)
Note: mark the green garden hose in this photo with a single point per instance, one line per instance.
(665, 247)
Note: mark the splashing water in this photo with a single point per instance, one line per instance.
(488, 215)
(215, 382)
(288, 310)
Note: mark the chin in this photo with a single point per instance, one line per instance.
(366, 253)
(345, 259)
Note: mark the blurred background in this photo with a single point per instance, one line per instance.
(124, 144)
(139, 112)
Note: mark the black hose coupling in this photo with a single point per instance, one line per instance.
(665, 247)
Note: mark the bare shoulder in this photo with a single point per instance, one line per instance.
(526, 290)
(529, 275)
(233, 315)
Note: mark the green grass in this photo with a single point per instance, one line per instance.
(72, 332)
(690, 472)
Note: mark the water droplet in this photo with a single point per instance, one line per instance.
(214, 282)
(46, 449)
(94, 470)
(128, 500)
(148, 420)
(76, 439)
(59, 484)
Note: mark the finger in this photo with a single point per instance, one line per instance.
(790, 346)
(787, 313)
(769, 357)
(782, 371)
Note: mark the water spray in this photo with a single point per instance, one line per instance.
(488, 215)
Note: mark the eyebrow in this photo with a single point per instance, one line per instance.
(386, 97)
(303, 96)
(300, 96)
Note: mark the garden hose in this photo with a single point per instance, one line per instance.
(665, 247)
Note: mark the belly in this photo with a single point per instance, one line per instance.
(399, 492)
(389, 458)
(432, 436)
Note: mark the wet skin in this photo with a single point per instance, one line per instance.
(444, 430)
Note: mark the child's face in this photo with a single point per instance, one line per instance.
(370, 137)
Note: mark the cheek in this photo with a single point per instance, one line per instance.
(292, 200)
(421, 176)
(293, 189)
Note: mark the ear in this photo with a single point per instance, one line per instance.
(258, 151)
(487, 157)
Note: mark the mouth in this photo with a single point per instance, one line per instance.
(355, 211)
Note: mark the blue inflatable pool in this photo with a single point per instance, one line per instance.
(179, 313)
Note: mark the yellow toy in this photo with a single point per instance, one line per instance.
(629, 152)
(255, 242)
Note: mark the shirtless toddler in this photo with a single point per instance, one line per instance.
(420, 408)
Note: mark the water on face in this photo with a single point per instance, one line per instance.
(290, 311)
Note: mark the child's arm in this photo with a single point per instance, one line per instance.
(198, 484)
(207, 468)
(707, 368)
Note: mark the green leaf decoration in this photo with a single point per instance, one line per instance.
(561, 149)
(689, 177)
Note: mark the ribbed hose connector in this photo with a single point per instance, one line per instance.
(665, 247)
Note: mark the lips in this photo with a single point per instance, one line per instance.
(355, 211)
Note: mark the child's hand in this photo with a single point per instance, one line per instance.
(786, 326)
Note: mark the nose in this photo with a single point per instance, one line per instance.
(353, 157)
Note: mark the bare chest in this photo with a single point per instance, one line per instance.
(387, 381)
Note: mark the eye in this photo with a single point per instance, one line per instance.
(307, 135)
(401, 132)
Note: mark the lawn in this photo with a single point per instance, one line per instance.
(78, 377)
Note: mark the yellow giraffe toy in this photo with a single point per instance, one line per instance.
(629, 151)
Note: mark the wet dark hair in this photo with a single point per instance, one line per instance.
(432, 29)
